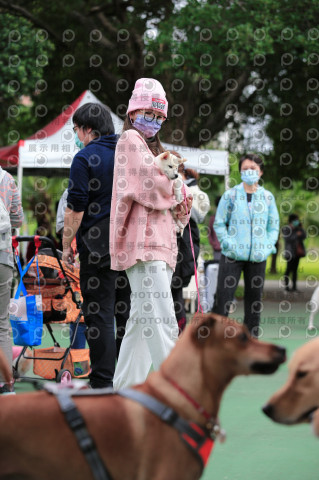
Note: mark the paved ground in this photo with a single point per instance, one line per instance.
(274, 290)
(257, 448)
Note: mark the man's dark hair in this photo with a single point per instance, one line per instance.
(254, 158)
(95, 116)
(292, 217)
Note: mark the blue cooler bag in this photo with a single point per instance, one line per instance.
(25, 313)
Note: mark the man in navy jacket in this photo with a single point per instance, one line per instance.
(87, 216)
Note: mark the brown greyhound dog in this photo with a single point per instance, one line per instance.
(298, 400)
(134, 444)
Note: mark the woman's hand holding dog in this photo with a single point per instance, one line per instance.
(179, 212)
(180, 209)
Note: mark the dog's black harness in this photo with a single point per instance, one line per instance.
(86, 443)
(198, 439)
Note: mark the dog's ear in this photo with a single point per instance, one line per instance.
(203, 325)
(164, 155)
(181, 160)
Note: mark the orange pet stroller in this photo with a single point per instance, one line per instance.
(61, 303)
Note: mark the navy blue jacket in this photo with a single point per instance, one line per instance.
(91, 181)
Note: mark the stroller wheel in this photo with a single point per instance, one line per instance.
(64, 377)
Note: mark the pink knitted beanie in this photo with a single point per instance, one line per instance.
(148, 93)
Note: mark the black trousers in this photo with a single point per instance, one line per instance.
(292, 268)
(177, 294)
(122, 307)
(98, 292)
(228, 278)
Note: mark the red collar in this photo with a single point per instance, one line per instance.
(191, 400)
(212, 425)
(203, 447)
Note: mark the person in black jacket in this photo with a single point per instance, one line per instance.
(293, 235)
(185, 266)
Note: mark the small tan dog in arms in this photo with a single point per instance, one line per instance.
(168, 164)
(133, 442)
(298, 400)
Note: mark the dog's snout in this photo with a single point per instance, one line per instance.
(268, 410)
(176, 176)
(281, 352)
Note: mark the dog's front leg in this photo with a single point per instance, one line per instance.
(179, 225)
(178, 189)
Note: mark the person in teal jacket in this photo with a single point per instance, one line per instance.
(247, 227)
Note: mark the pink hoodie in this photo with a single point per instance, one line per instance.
(141, 225)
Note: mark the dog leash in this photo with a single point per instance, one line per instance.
(199, 306)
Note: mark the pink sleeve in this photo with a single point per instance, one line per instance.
(137, 178)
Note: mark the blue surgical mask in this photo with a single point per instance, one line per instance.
(295, 223)
(249, 176)
(78, 142)
(149, 129)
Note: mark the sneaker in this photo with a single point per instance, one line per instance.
(7, 389)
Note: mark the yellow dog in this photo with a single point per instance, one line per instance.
(298, 400)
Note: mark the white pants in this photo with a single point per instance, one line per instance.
(152, 330)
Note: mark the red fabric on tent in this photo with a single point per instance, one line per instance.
(9, 155)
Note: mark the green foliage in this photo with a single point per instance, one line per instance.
(250, 61)
(24, 53)
(22, 57)
(39, 199)
(308, 267)
(224, 65)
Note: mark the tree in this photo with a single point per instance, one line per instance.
(97, 46)
(223, 64)
(23, 56)
(246, 62)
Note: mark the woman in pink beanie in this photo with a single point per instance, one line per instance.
(143, 235)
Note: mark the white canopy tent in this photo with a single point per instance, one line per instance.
(53, 148)
(212, 162)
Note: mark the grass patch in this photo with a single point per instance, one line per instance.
(308, 267)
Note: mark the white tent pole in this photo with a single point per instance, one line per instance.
(20, 174)
(226, 181)
(19, 182)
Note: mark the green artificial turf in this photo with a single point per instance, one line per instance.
(256, 448)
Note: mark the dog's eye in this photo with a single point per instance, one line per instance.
(170, 166)
(301, 374)
(243, 337)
